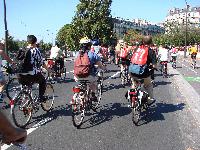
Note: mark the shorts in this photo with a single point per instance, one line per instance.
(2, 78)
(193, 56)
(124, 61)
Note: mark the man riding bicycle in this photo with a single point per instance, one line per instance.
(193, 52)
(57, 56)
(89, 60)
(141, 63)
(31, 67)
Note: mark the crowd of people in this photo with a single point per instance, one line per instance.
(140, 58)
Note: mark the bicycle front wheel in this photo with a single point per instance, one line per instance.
(49, 95)
(13, 88)
(22, 110)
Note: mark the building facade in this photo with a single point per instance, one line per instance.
(177, 15)
(121, 26)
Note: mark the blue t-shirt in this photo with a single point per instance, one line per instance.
(94, 58)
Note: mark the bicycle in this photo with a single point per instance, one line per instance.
(174, 62)
(164, 68)
(25, 102)
(137, 98)
(194, 62)
(57, 71)
(81, 102)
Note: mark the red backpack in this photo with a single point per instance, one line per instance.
(82, 66)
(124, 53)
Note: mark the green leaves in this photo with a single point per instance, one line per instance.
(92, 19)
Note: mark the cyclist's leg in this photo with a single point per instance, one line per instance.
(149, 87)
(40, 79)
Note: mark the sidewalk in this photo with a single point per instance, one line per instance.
(191, 96)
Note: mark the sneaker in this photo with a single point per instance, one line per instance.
(150, 101)
(94, 98)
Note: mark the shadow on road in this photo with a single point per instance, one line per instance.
(157, 112)
(62, 110)
(158, 83)
(106, 113)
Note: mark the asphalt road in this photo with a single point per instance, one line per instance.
(169, 125)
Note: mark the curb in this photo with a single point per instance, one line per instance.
(191, 96)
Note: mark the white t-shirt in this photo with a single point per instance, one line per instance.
(55, 52)
(163, 53)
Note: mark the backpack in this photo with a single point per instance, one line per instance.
(82, 65)
(21, 60)
(139, 61)
(124, 53)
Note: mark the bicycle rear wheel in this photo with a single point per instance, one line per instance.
(22, 110)
(78, 110)
(136, 111)
(12, 88)
(49, 94)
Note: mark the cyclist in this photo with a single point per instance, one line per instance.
(10, 133)
(58, 56)
(193, 52)
(173, 52)
(2, 79)
(163, 55)
(94, 59)
(117, 51)
(124, 60)
(31, 67)
(143, 58)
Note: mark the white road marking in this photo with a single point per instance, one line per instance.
(30, 130)
(114, 75)
(190, 69)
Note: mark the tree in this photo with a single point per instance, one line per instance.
(132, 36)
(92, 19)
(62, 35)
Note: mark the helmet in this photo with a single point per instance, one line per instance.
(85, 40)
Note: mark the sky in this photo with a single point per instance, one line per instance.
(44, 18)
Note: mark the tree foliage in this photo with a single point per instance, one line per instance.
(176, 35)
(132, 36)
(92, 19)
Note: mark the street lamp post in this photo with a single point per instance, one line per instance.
(6, 30)
(186, 28)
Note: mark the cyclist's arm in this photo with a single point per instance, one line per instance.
(6, 57)
(100, 65)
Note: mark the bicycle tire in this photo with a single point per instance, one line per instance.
(27, 109)
(49, 93)
(77, 109)
(13, 87)
(136, 112)
(95, 104)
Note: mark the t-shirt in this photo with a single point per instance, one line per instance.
(193, 50)
(56, 53)
(163, 53)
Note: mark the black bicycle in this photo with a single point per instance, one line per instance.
(138, 100)
(82, 103)
(25, 102)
